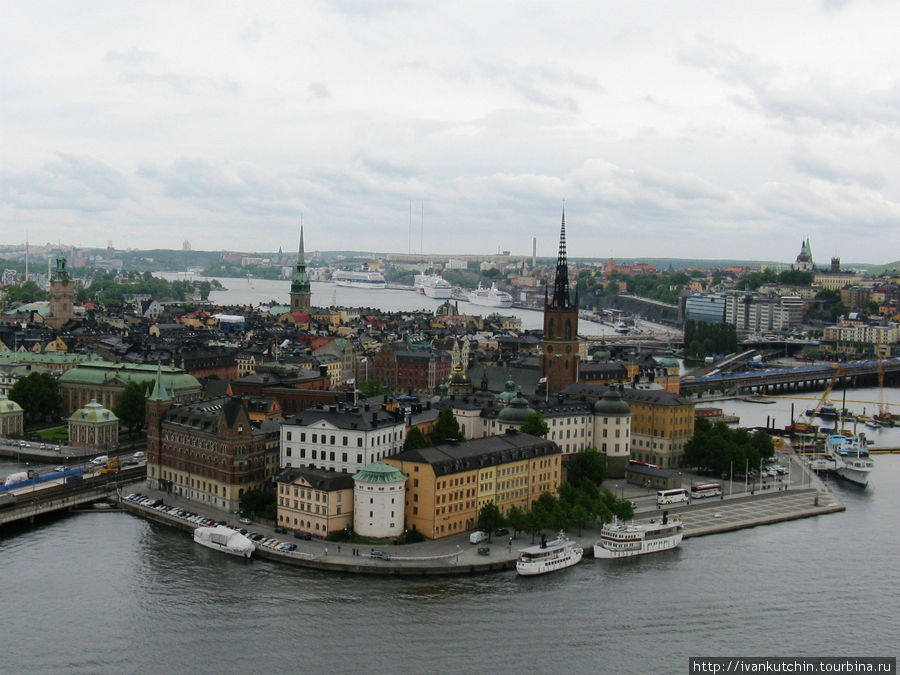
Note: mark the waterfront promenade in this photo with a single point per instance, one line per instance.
(806, 496)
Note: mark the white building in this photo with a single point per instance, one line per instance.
(379, 501)
(341, 437)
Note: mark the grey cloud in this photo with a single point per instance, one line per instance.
(370, 9)
(820, 168)
(68, 182)
(387, 168)
(319, 90)
(823, 101)
(539, 83)
(253, 32)
(834, 5)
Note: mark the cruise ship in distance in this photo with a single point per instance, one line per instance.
(490, 297)
(359, 279)
(432, 285)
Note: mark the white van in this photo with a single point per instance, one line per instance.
(477, 537)
(102, 459)
(664, 497)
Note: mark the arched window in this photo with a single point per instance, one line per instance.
(568, 329)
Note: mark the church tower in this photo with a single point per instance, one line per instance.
(62, 295)
(559, 362)
(300, 293)
(156, 406)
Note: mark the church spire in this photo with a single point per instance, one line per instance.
(300, 288)
(301, 261)
(561, 284)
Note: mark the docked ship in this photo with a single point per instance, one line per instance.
(433, 285)
(549, 556)
(621, 540)
(359, 279)
(490, 297)
(850, 457)
(221, 538)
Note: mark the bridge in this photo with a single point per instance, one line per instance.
(62, 497)
(779, 380)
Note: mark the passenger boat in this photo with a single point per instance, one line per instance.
(490, 297)
(621, 540)
(549, 556)
(359, 279)
(851, 457)
(221, 538)
(433, 286)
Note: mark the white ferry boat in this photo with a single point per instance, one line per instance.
(621, 540)
(359, 279)
(549, 556)
(432, 285)
(851, 457)
(221, 538)
(490, 297)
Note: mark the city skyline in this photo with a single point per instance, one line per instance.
(691, 130)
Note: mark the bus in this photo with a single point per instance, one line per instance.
(664, 497)
(706, 490)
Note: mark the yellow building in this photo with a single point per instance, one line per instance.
(661, 424)
(316, 501)
(449, 483)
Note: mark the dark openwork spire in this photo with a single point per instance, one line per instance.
(561, 284)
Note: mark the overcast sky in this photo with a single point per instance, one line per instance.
(671, 129)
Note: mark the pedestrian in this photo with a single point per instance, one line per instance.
(339, 548)
(326, 550)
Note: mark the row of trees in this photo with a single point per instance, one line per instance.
(579, 502)
(703, 339)
(719, 449)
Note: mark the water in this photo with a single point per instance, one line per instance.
(109, 592)
(256, 291)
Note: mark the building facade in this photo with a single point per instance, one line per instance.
(341, 437)
(379, 499)
(94, 426)
(314, 501)
(300, 288)
(449, 483)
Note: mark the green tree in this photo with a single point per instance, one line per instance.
(38, 394)
(533, 423)
(370, 388)
(580, 517)
(259, 503)
(517, 520)
(489, 518)
(27, 292)
(130, 405)
(446, 428)
(586, 464)
(415, 439)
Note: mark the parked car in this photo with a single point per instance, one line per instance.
(383, 555)
(477, 537)
(303, 535)
(501, 532)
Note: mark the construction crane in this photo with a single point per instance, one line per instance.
(884, 415)
(824, 408)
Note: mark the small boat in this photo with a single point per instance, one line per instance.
(873, 424)
(549, 556)
(621, 540)
(221, 538)
(851, 457)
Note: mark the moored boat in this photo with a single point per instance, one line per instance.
(433, 286)
(490, 297)
(624, 540)
(549, 556)
(221, 538)
(851, 457)
(359, 279)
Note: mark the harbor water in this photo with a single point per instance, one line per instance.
(102, 592)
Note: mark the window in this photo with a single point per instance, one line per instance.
(345, 440)
(289, 435)
(315, 438)
(303, 436)
(287, 452)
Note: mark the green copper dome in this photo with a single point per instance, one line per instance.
(612, 405)
(93, 412)
(8, 406)
(516, 411)
(380, 473)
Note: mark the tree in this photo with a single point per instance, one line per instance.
(489, 518)
(38, 394)
(586, 464)
(27, 292)
(580, 517)
(131, 406)
(517, 520)
(371, 388)
(415, 439)
(533, 423)
(259, 502)
(446, 428)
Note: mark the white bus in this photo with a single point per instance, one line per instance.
(706, 490)
(664, 497)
